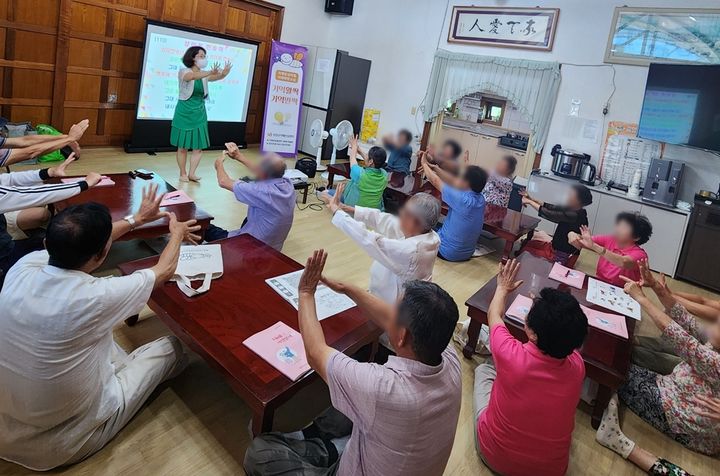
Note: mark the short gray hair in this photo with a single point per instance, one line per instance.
(425, 208)
(273, 165)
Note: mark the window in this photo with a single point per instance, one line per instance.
(492, 111)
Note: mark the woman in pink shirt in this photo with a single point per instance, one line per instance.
(525, 402)
(619, 252)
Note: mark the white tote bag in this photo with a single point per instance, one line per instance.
(198, 263)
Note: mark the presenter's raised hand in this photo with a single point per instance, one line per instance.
(59, 170)
(215, 69)
(77, 130)
(227, 68)
(93, 178)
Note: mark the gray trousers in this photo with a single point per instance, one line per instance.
(656, 354)
(485, 375)
(279, 454)
(139, 374)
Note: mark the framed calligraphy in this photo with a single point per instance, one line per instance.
(529, 28)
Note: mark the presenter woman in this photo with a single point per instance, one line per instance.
(190, 123)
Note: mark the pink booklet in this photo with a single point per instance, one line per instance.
(105, 181)
(175, 198)
(282, 347)
(520, 308)
(612, 323)
(568, 276)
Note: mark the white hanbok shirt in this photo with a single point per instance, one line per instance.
(397, 259)
(57, 379)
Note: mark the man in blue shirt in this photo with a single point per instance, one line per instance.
(464, 223)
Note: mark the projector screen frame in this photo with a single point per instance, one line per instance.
(153, 135)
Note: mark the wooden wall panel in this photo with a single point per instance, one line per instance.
(65, 60)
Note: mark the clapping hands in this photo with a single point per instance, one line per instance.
(313, 272)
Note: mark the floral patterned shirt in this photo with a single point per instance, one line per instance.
(498, 189)
(698, 374)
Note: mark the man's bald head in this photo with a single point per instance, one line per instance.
(272, 166)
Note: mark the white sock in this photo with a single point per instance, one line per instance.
(341, 443)
(295, 435)
(609, 433)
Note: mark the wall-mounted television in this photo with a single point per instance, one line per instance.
(682, 106)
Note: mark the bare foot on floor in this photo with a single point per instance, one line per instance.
(184, 178)
(195, 178)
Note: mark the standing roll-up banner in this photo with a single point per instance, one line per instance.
(283, 104)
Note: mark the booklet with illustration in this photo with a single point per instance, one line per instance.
(612, 298)
(520, 308)
(175, 198)
(282, 347)
(612, 323)
(571, 277)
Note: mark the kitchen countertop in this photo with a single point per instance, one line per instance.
(613, 192)
(474, 128)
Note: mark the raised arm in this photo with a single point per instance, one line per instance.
(431, 173)
(353, 151)
(220, 74)
(167, 263)
(585, 240)
(224, 180)
(191, 75)
(233, 151)
(316, 348)
(506, 283)
(48, 144)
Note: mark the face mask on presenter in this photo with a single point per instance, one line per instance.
(201, 63)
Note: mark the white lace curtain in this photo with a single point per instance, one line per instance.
(532, 86)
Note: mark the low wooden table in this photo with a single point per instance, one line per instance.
(238, 305)
(606, 356)
(342, 169)
(124, 199)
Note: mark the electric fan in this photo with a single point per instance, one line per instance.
(317, 135)
(341, 135)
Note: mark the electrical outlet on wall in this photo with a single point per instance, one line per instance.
(413, 110)
(112, 98)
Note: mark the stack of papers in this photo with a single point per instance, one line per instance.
(612, 298)
(282, 347)
(568, 276)
(105, 181)
(327, 302)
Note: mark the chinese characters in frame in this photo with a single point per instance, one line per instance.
(531, 28)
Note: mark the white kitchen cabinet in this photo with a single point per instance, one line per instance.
(487, 152)
(608, 208)
(665, 245)
(483, 149)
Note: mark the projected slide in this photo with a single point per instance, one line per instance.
(164, 47)
(668, 116)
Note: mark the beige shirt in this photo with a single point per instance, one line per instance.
(404, 414)
(57, 381)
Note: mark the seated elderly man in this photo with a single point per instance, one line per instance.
(446, 156)
(21, 196)
(17, 149)
(67, 387)
(400, 417)
(270, 198)
(403, 248)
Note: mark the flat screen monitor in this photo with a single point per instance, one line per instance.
(227, 101)
(682, 106)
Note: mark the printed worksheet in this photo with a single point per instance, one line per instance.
(327, 301)
(612, 298)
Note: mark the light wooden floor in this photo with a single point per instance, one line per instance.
(196, 425)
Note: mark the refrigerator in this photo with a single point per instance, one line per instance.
(334, 90)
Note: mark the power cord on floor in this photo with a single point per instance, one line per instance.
(317, 206)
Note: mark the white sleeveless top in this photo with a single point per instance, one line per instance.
(186, 87)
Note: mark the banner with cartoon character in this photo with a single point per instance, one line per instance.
(281, 126)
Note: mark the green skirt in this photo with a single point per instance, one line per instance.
(190, 125)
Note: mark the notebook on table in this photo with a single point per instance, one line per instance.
(177, 197)
(282, 347)
(612, 323)
(568, 276)
(520, 308)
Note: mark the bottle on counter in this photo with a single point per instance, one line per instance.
(634, 190)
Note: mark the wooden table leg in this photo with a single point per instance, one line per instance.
(601, 402)
(331, 179)
(262, 421)
(132, 320)
(305, 193)
(508, 249)
(473, 337)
